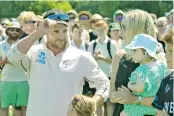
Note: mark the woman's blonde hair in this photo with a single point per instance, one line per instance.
(83, 105)
(138, 22)
(25, 15)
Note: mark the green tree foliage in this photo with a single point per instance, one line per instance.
(42, 6)
(14, 8)
(107, 8)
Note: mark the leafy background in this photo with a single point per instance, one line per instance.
(105, 8)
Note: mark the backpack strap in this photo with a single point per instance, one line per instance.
(94, 46)
(40, 40)
(1, 68)
(109, 48)
(86, 46)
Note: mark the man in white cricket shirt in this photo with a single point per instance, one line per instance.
(56, 69)
(14, 89)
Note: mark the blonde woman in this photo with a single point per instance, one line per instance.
(28, 21)
(134, 22)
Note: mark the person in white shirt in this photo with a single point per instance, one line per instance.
(169, 15)
(77, 40)
(14, 89)
(102, 49)
(56, 70)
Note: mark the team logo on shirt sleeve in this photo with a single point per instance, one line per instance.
(41, 58)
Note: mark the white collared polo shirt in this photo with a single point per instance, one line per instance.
(102, 47)
(10, 72)
(82, 46)
(54, 80)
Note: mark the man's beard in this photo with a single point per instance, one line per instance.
(59, 45)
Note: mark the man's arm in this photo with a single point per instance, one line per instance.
(45, 27)
(162, 113)
(97, 79)
(25, 44)
(19, 50)
(159, 98)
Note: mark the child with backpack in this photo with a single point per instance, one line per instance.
(102, 49)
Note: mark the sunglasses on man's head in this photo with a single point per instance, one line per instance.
(15, 29)
(30, 22)
(59, 17)
(160, 25)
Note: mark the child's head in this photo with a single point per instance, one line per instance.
(101, 28)
(82, 106)
(77, 30)
(169, 42)
(115, 30)
(143, 48)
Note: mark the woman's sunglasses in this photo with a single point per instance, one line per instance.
(4, 24)
(14, 29)
(84, 18)
(93, 21)
(72, 18)
(30, 22)
(119, 18)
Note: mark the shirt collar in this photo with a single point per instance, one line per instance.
(73, 43)
(105, 41)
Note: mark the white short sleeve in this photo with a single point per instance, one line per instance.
(95, 75)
